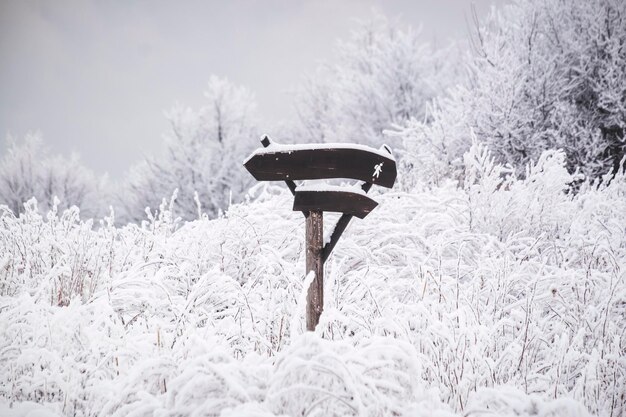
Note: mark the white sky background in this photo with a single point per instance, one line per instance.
(95, 77)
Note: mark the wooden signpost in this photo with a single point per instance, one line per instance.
(289, 163)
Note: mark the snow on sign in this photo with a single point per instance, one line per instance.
(322, 161)
(275, 162)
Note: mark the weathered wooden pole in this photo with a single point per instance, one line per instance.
(315, 263)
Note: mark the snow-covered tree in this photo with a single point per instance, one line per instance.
(385, 75)
(26, 172)
(202, 157)
(545, 74)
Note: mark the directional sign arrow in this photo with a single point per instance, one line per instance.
(322, 161)
(335, 199)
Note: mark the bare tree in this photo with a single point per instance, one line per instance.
(26, 172)
(201, 157)
(385, 75)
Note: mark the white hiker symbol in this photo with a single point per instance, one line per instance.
(377, 170)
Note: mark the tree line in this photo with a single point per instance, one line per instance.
(539, 75)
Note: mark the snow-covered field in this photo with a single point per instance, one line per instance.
(498, 297)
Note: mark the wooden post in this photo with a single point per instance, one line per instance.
(315, 162)
(315, 263)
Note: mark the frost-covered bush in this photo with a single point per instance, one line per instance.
(503, 296)
(73, 259)
(385, 75)
(544, 75)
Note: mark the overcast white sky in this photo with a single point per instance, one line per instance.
(95, 76)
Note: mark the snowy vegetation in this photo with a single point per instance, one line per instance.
(489, 282)
(503, 296)
(544, 75)
(385, 75)
(202, 157)
(26, 171)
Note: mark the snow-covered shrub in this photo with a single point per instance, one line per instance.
(58, 257)
(385, 75)
(379, 377)
(544, 75)
(504, 206)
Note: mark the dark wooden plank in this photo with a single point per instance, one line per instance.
(317, 161)
(347, 202)
(314, 263)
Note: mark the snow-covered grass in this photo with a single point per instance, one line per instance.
(500, 297)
